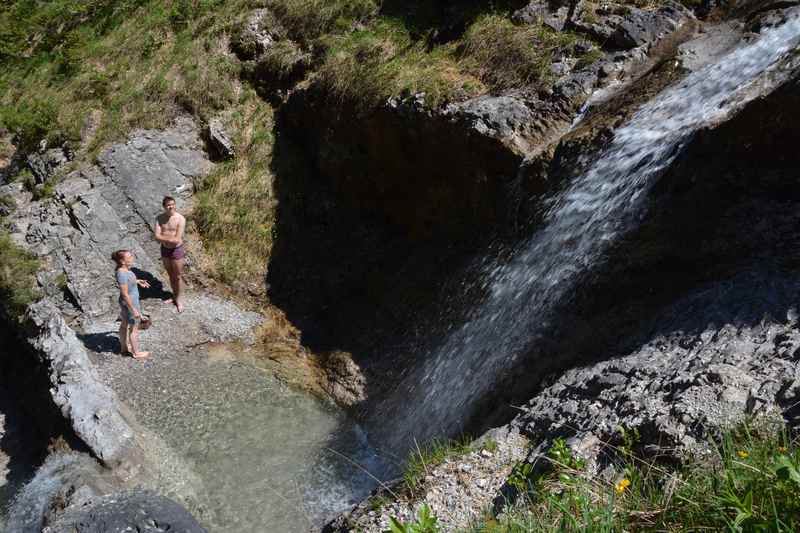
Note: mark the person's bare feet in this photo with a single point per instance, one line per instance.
(169, 301)
(179, 306)
(141, 355)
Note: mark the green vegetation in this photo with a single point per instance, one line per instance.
(138, 64)
(751, 482)
(17, 278)
(424, 523)
(235, 205)
(307, 20)
(365, 67)
(505, 55)
(141, 63)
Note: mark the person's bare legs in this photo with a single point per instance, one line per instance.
(174, 268)
(168, 267)
(175, 282)
(124, 346)
(134, 336)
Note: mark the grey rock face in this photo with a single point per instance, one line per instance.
(143, 512)
(644, 28)
(91, 408)
(344, 380)
(258, 33)
(152, 164)
(44, 163)
(682, 386)
(622, 27)
(219, 140)
(91, 214)
(64, 479)
(71, 493)
(95, 212)
(505, 118)
(554, 15)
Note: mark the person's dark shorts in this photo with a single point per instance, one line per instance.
(179, 252)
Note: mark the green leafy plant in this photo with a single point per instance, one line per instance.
(520, 477)
(425, 522)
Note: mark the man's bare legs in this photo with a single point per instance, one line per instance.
(174, 268)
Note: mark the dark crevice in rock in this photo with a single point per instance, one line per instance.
(32, 423)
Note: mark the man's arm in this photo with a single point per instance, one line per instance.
(179, 231)
(158, 235)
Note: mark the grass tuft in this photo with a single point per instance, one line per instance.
(505, 55)
(17, 278)
(235, 205)
(423, 459)
(367, 66)
(307, 20)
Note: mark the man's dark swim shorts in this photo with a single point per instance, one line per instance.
(173, 253)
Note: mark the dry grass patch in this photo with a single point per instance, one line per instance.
(235, 210)
(307, 20)
(367, 66)
(505, 55)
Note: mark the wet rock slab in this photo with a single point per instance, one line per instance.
(143, 512)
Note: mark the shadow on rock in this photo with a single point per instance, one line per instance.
(156, 291)
(107, 341)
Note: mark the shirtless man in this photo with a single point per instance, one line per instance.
(169, 233)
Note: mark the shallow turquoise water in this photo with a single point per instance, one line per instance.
(270, 457)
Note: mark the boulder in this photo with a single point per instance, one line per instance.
(155, 163)
(622, 27)
(90, 406)
(260, 31)
(555, 15)
(44, 163)
(71, 493)
(344, 380)
(645, 28)
(140, 511)
(221, 143)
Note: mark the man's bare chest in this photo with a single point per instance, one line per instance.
(171, 225)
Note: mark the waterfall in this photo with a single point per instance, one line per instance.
(580, 225)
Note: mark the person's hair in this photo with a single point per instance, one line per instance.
(167, 199)
(118, 257)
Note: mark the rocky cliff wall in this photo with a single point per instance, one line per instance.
(379, 208)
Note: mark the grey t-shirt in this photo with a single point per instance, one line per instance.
(126, 277)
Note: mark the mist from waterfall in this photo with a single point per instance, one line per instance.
(580, 225)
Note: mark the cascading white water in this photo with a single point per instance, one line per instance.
(580, 225)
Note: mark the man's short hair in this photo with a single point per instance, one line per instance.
(167, 199)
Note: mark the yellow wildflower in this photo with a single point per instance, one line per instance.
(783, 449)
(743, 454)
(622, 485)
